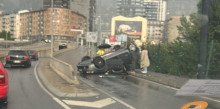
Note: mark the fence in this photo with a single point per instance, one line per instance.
(181, 59)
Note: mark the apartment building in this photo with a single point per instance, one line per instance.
(32, 24)
(86, 8)
(37, 24)
(56, 4)
(10, 23)
(153, 10)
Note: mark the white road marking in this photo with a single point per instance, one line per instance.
(118, 100)
(51, 95)
(96, 104)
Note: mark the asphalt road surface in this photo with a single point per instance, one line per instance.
(145, 95)
(25, 92)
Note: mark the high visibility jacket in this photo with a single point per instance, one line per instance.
(100, 52)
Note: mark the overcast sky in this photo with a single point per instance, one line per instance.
(174, 7)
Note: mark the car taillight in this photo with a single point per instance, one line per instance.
(2, 79)
(8, 57)
(34, 54)
(26, 57)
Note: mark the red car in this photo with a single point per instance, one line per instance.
(3, 84)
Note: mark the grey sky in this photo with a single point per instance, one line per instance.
(175, 7)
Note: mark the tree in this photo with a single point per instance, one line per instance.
(190, 29)
(3, 35)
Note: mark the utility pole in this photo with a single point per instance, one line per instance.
(203, 39)
(51, 27)
(6, 43)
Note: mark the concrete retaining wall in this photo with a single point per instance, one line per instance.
(63, 69)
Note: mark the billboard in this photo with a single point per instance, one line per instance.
(133, 27)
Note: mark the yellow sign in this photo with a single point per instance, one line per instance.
(196, 105)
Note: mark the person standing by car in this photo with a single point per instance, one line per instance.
(145, 62)
(101, 51)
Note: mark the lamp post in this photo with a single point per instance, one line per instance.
(51, 27)
(6, 44)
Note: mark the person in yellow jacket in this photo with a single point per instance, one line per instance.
(101, 51)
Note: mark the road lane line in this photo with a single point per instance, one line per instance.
(50, 94)
(118, 100)
(95, 104)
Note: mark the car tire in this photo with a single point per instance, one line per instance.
(85, 58)
(99, 62)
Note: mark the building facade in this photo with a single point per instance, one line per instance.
(37, 24)
(153, 10)
(86, 8)
(10, 23)
(56, 4)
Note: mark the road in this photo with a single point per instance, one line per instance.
(145, 95)
(25, 92)
(115, 92)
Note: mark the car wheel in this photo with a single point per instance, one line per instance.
(99, 62)
(86, 58)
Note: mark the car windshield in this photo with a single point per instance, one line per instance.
(110, 54)
(23, 53)
(31, 51)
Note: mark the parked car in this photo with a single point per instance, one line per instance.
(117, 61)
(33, 54)
(18, 58)
(3, 84)
(63, 44)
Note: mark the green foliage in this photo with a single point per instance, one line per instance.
(215, 62)
(167, 60)
(3, 35)
(190, 29)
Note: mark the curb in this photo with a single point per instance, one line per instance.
(56, 91)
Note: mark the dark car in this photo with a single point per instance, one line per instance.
(33, 54)
(3, 84)
(18, 58)
(113, 62)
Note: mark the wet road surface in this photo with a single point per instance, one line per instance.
(25, 92)
(145, 95)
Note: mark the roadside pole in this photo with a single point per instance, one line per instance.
(6, 43)
(203, 39)
(51, 27)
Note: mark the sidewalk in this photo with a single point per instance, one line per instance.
(60, 87)
(168, 80)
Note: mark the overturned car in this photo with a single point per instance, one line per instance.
(117, 61)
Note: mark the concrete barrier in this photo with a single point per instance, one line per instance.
(63, 69)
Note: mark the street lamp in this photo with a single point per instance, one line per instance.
(6, 44)
(51, 27)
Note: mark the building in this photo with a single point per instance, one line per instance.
(10, 23)
(56, 4)
(32, 24)
(37, 24)
(87, 8)
(153, 10)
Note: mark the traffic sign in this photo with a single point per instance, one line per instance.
(92, 36)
